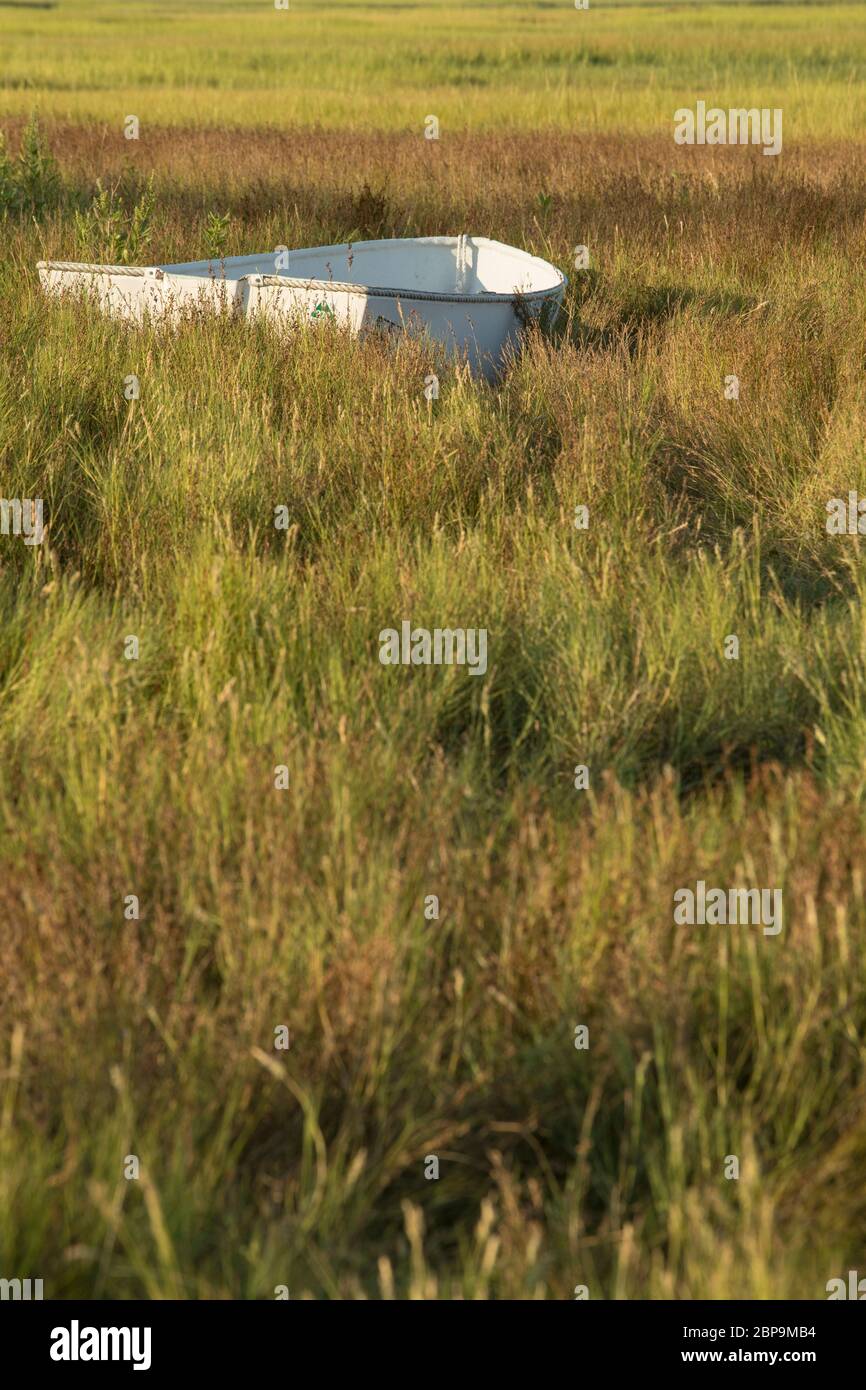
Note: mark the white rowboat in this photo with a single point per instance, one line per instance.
(469, 293)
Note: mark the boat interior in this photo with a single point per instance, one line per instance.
(438, 265)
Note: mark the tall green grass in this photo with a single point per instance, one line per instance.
(306, 907)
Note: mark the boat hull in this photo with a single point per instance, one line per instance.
(472, 295)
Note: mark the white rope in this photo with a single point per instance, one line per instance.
(90, 269)
(462, 262)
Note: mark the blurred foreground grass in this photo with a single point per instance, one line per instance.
(615, 66)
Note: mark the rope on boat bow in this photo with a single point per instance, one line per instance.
(463, 258)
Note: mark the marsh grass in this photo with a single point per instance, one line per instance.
(360, 66)
(259, 647)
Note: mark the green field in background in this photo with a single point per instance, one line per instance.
(615, 66)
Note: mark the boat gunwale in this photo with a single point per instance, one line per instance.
(91, 268)
(339, 286)
(387, 292)
(319, 286)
